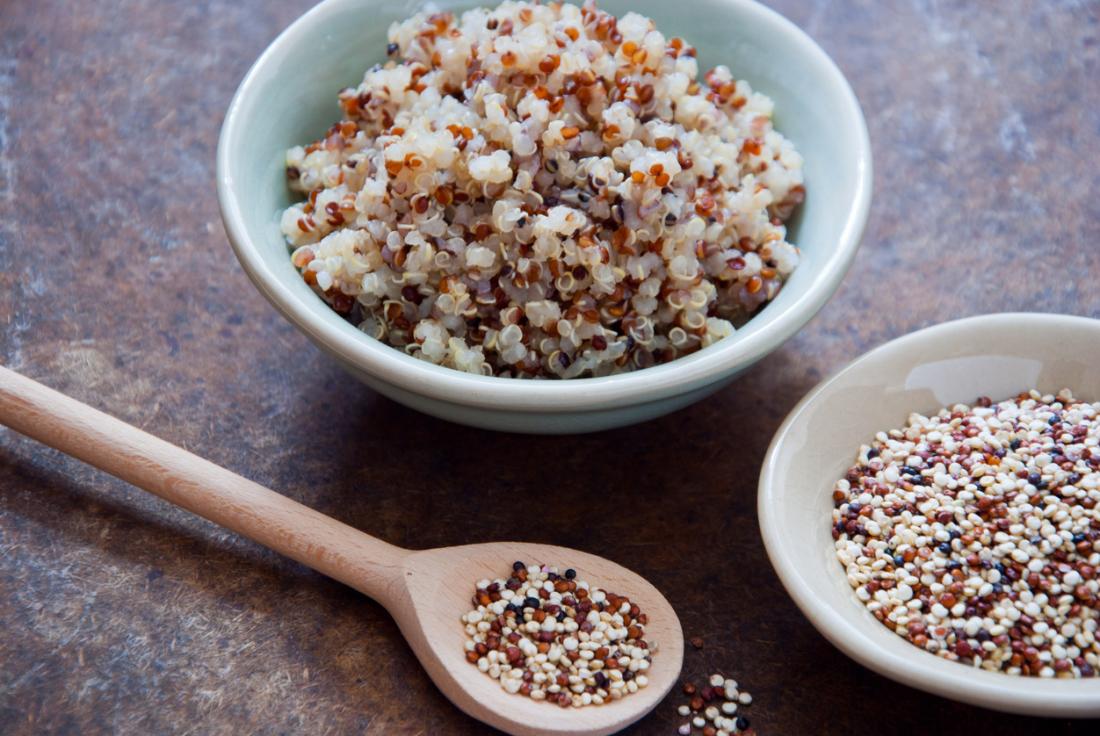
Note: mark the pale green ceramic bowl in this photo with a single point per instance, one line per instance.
(289, 97)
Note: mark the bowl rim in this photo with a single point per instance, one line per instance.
(447, 384)
(924, 671)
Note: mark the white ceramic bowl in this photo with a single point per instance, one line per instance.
(288, 97)
(996, 356)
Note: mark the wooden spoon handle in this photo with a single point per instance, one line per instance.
(325, 544)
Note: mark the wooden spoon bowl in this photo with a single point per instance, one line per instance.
(426, 592)
(440, 582)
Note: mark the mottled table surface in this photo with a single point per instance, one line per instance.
(119, 614)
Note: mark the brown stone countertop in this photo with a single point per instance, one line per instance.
(120, 614)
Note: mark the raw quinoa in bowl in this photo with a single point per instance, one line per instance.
(545, 191)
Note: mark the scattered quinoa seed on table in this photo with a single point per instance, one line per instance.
(975, 533)
(546, 191)
(715, 708)
(554, 637)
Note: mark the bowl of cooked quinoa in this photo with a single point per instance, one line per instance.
(934, 510)
(545, 217)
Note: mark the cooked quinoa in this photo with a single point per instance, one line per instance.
(545, 191)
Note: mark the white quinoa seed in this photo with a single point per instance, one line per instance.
(975, 533)
(545, 191)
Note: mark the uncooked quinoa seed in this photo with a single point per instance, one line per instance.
(554, 637)
(715, 708)
(545, 191)
(975, 533)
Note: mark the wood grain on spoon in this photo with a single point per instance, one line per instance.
(425, 591)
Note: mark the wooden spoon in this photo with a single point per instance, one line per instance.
(426, 591)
